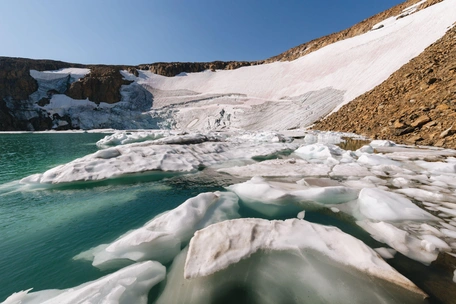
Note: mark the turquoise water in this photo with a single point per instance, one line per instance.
(42, 230)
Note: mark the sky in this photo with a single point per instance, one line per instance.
(146, 31)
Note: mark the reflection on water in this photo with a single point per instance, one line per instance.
(352, 144)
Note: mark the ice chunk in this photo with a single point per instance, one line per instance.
(124, 137)
(376, 204)
(382, 143)
(427, 228)
(162, 238)
(234, 240)
(424, 195)
(151, 157)
(401, 241)
(291, 276)
(327, 195)
(334, 209)
(350, 169)
(279, 167)
(438, 243)
(437, 167)
(271, 200)
(318, 151)
(400, 182)
(364, 149)
(128, 285)
(449, 233)
(261, 196)
(375, 160)
(386, 253)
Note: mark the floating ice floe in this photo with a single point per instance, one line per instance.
(128, 285)
(235, 240)
(270, 200)
(380, 205)
(424, 251)
(163, 237)
(319, 151)
(173, 154)
(279, 168)
(124, 137)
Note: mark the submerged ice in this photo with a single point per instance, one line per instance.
(163, 237)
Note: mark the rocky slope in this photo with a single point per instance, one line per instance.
(415, 105)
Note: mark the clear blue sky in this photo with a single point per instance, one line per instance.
(146, 31)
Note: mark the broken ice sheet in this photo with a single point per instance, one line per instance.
(128, 285)
(162, 238)
(281, 262)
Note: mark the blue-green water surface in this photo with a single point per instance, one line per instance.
(42, 230)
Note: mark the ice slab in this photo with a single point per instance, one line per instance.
(261, 196)
(380, 205)
(163, 237)
(128, 285)
(176, 154)
(274, 200)
(402, 241)
(279, 167)
(319, 151)
(386, 253)
(235, 240)
(124, 137)
(375, 160)
(271, 277)
(351, 169)
(424, 195)
(438, 167)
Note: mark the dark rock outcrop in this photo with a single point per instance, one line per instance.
(171, 69)
(102, 84)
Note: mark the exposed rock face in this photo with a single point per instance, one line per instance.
(102, 84)
(415, 105)
(174, 68)
(17, 85)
